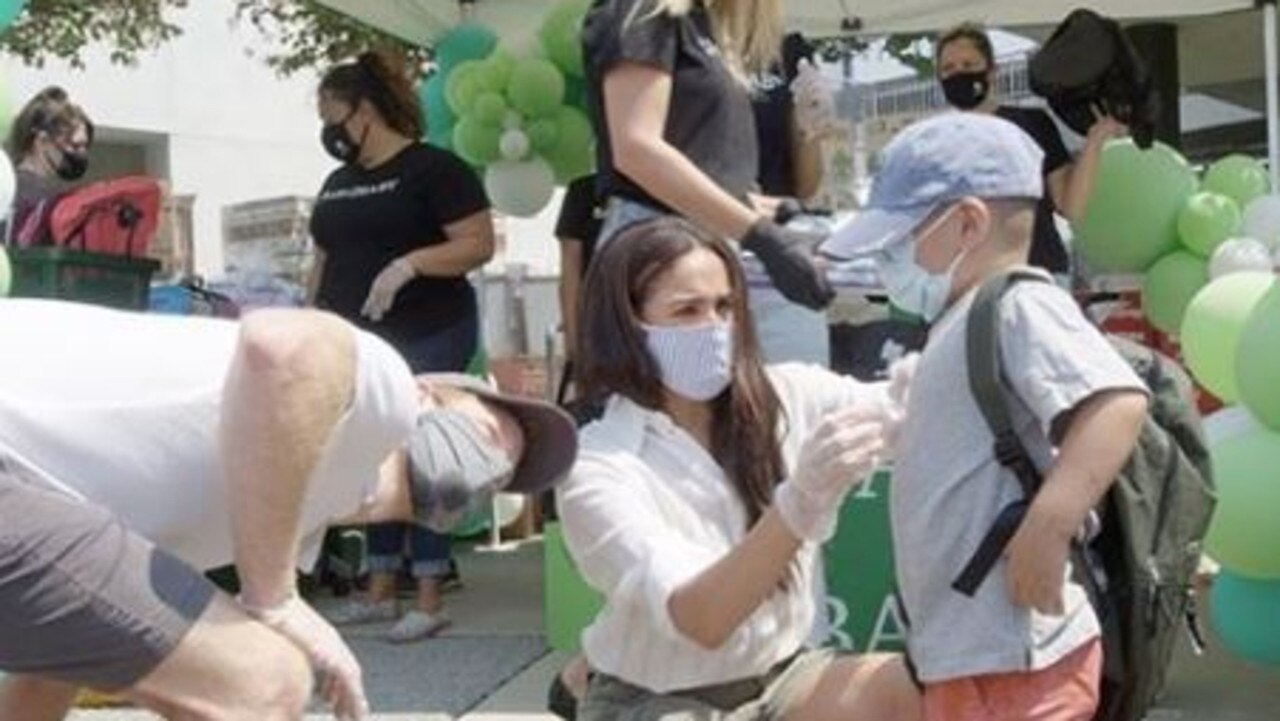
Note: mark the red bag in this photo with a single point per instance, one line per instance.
(115, 217)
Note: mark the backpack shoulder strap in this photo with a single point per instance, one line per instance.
(982, 350)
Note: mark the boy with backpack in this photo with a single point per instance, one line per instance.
(1015, 637)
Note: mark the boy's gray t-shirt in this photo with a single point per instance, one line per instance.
(948, 487)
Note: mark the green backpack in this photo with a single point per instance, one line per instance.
(1139, 569)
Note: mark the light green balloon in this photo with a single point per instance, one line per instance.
(543, 133)
(6, 272)
(1245, 533)
(1168, 287)
(1132, 216)
(1258, 363)
(489, 108)
(573, 155)
(536, 88)
(561, 36)
(496, 72)
(1212, 326)
(1207, 220)
(1238, 177)
(462, 86)
(476, 142)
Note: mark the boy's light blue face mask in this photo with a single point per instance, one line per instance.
(910, 286)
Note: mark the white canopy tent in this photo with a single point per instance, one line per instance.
(1219, 40)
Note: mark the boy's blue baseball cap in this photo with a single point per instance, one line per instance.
(935, 162)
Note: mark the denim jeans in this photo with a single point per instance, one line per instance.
(449, 349)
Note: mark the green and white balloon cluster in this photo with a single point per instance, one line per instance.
(1231, 343)
(1151, 214)
(520, 120)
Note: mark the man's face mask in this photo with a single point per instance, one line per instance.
(453, 469)
(912, 287)
(967, 91)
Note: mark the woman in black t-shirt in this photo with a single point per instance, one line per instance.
(397, 228)
(49, 143)
(966, 68)
(668, 87)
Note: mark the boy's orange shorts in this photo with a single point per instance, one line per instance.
(1065, 691)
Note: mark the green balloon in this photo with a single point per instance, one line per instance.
(1132, 217)
(1168, 287)
(489, 108)
(6, 272)
(1243, 611)
(1212, 327)
(496, 74)
(536, 88)
(561, 36)
(436, 110)
(543, 134)
(1207, 220)
(1258, 361)
(1245, 533)
(9, 10)
(1238, 177)
(466, 42)
(463, 86)
(575, 93)
(476, 142)
(573, 155)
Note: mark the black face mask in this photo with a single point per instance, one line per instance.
(72, 166)
(966, 91)
(337, 141)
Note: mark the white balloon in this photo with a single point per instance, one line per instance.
(1227, 423)
(1240, 254)
(8, 186)
(521, 189)
(514, 145)
(508, 506)
(1262, 219)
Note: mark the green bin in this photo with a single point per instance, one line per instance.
(101, 279)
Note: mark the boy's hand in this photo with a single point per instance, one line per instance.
(1036, 561)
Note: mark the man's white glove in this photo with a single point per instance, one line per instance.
(383, 291)
(815, 104)
(840, 453)
(341, 683)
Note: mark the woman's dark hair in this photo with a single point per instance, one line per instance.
(50, 111)
(972, 32)
(615, 358)
(381, 79)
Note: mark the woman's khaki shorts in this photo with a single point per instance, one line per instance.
(766, 698)
(82, 598)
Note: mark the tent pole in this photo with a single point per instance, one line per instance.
(1273, 92)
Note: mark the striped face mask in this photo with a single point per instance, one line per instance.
(696, 362)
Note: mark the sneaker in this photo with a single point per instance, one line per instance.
(355, 612)
(416, 625)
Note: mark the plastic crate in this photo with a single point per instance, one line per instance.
(111, 280)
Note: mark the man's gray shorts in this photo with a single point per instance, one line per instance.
(83, 599)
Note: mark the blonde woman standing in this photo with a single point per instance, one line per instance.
(669, 91)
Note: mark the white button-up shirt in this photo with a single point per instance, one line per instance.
(646, 509)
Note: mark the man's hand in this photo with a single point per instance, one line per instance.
(1036, 560)
(1104, 128)
(789, 257)
(341, 684)
(382, 293)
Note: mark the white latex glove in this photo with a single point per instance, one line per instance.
(383, 291)
(815, 104)
(341, 683)
(840, 453)
(894, 406)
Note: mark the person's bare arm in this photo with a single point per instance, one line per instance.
(806, 168)
(1071, 186)
(313, 278)
(1099, 439)
(469, 245)
(290, 382)
(637, 99)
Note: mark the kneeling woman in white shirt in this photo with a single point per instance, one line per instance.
(699, 499)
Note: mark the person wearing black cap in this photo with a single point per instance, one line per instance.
(138, 450)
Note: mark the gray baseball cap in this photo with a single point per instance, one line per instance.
(453, 467)
(934, 162)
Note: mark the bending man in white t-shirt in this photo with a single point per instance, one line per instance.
(138, 449)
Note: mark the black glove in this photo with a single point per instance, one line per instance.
(788, 209)
(788, 258)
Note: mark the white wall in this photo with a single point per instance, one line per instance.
(236, 131)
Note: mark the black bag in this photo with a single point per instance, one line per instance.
(1089, 61)
(1140, 568)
